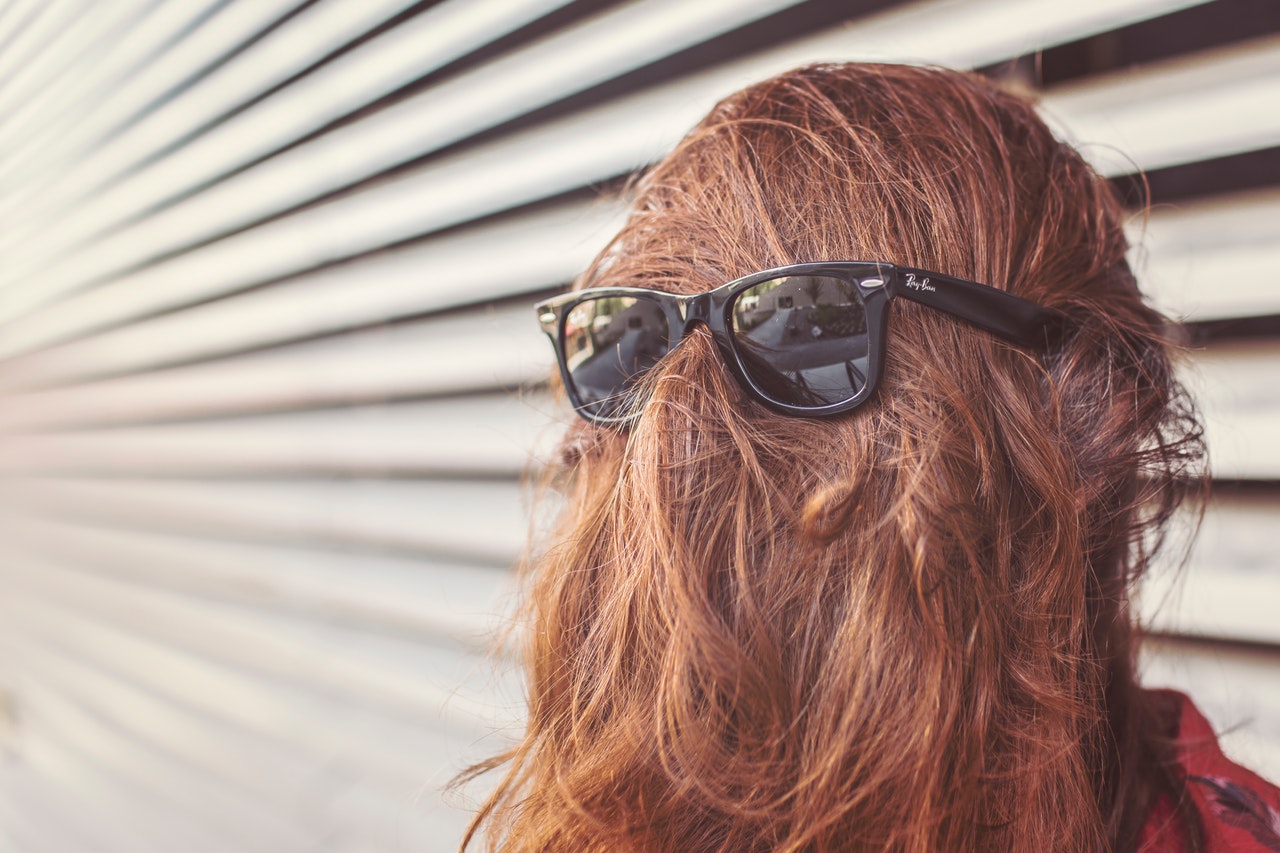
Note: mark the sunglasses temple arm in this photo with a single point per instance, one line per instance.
(996, 311)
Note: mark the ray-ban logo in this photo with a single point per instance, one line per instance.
(919, 285)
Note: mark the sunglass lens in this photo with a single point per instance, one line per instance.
(802, 340)
(609, 343)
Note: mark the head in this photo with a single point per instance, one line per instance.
(903, 627)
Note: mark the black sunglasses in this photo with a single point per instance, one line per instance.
(805, 340)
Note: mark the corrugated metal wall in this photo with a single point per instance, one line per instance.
(268, 374)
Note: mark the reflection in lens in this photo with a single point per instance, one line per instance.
(803, 339)
(609, 343)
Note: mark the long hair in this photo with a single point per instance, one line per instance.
(907, 628)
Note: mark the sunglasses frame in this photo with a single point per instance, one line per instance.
(1017, 320)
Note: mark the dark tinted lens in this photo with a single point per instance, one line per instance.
(803, 339)
(609, 343)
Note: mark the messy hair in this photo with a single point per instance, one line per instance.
(906, 628)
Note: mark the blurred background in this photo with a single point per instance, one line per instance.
(269, 373)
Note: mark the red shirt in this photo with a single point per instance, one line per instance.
(1239, 809)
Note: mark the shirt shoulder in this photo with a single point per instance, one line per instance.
(1239, 809)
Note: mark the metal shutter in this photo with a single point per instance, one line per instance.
(268, 375)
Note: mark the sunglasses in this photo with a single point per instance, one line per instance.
(805, 340)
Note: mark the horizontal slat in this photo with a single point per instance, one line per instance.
(589, 146)
(1208, 260)
(1235, 687)
(255, 542)
(1231, 585)
(480, 521)
(1235, 385)
(443, 355)
(1178, 111)
(481, 434)
(260, 766)
(118, 810)
(419, 682)
(358, 750)
(304, 39)
(452, 354)
(414, 48)
(121, 58)
(514, 255)
(40, 30)
(200, 50)
(13, 16)
(24, 52)
(463, 23)
(467, 436)
(307, 789)
(441, 602)
(555, 66)
(1205, 699)
(38, 82)
(355, 742)
(1239, 606)
(113, 816)
(224, 816)
(1198, 261)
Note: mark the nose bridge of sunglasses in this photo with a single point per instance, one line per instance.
(694, 308)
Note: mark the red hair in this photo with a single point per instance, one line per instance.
(907, 628)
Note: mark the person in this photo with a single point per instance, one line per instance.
(877, 433)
